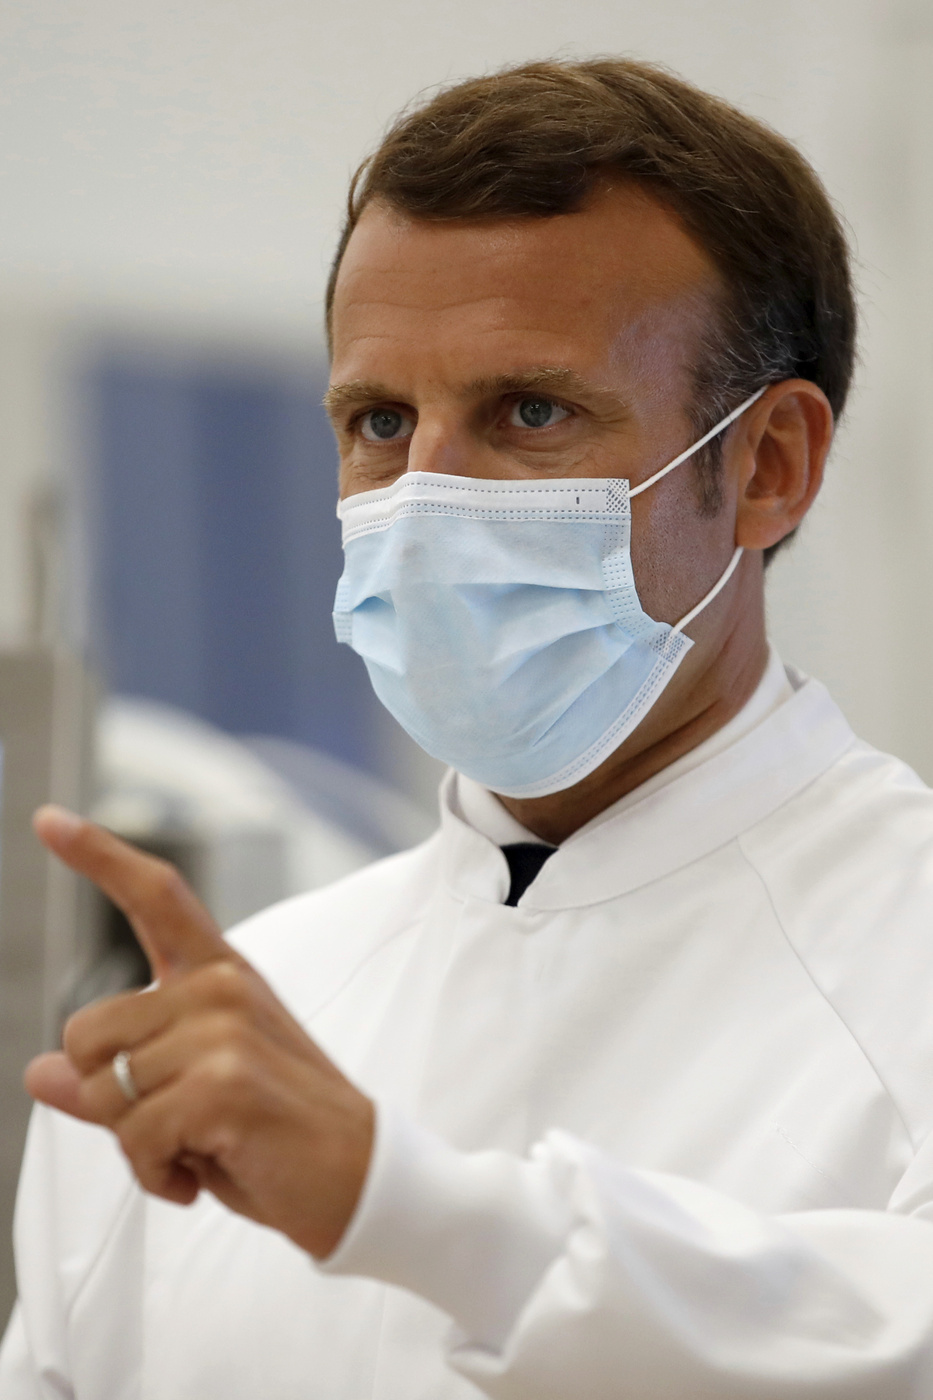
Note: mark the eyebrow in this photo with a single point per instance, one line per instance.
(543, 379)
(354, 392)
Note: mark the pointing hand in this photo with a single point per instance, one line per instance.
(234, 1096)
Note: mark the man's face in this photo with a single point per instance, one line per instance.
(533, 348)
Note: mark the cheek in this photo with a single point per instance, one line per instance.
(346, 474)
(367, 471)
(677, 553)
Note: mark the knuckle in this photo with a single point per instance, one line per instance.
(137, 1147)
(225, 1030)
(142, 1148)
(230, 1067)
(79, 1040)
(225, 1075)
(222, 983)
(73, 1039)
(147, 1173)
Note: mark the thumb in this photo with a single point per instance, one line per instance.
(175, 930)
(53, 1079)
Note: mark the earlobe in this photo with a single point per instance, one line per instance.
(781, 458)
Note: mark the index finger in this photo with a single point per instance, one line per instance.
(175, 930)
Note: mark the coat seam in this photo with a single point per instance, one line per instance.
(824, 995)
(307, 1017)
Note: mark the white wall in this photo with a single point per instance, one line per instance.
(186, 162)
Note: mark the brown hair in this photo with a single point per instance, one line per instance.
(531, 140)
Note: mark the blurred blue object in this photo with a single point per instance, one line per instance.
(215, 549)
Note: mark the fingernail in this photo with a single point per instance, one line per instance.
(52, 820)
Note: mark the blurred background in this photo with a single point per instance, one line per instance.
(172, 179)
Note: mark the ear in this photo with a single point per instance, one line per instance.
(779, 457)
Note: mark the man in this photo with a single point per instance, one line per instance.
(622, 1084)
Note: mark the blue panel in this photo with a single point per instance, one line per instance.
(146, 536)
(218, 551)
(335, 708)
(244, 576)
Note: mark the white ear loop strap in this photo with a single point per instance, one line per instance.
(737, 554)
(716, 588)
(713, 432)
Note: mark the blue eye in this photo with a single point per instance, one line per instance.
(534, 412)
(385, 425)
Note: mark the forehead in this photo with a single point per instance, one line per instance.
(621, 276)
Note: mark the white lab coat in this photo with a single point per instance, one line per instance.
(661, 1131)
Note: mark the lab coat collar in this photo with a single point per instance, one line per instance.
(691, 817)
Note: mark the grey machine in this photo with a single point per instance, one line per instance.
(47, 946)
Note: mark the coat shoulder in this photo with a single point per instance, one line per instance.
(309, 944)
(848, 868)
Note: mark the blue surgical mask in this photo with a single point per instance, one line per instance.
(500, 623)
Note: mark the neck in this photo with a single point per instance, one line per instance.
(706, 700)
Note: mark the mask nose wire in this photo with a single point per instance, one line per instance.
(708, 437)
